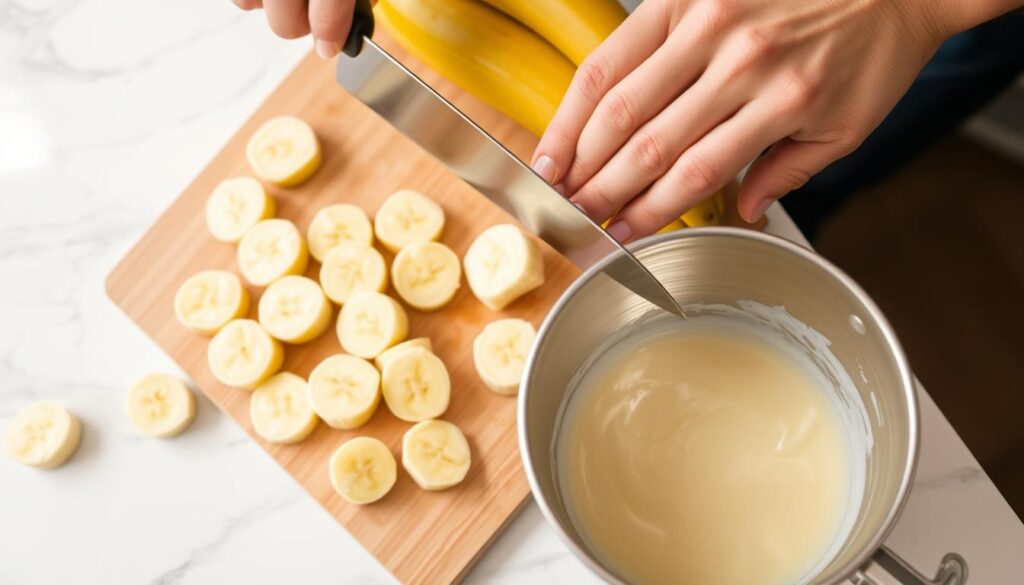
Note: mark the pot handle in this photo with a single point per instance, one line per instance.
(886, 568)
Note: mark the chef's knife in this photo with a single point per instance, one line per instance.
(377, 79)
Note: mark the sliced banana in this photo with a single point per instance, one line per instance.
(280, 410)
(371, 322)
(436, 454)
(271, 249)
(415, 385)
(43, 435)
(499, 353)
(426, 275)
(294, 309)
(335, 224)
(243, 354)
(284, 151)
(344, 391)
(503, 264)
(235, 206)
(363, 470)
(209, 299)
(387, 355)
(160, 405)
(351, 268)
(408, 217)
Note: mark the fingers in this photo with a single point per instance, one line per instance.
(248, 4)
(786, 167)
(329, 21)
(628, 46)
(287, 18)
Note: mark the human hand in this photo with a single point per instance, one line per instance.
(328, 20)
(687, 92)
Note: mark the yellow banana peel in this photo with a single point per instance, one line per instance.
(575, 27)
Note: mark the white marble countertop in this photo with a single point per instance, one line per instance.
(107, 109)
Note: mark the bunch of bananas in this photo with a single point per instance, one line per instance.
(516, 55)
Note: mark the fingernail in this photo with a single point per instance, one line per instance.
(759, 211)
(326, 49)
(620, 230)
(545, 167)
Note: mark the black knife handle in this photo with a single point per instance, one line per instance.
(362, 26)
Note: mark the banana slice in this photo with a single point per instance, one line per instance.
(351, 268)
(160, 405)
(391, 352)
(499, 353)
(243, 354)
(43, 435)
(363, 470)
(408, 217)
(503, 264)
(280, 409)
(209, 299)
(426, 275)
(335, 224)
(294, 309)
(415, 385)
(344, 391)
(271, 249)
(235, 206)
(371, 322)
(284, 151)
(436, 454)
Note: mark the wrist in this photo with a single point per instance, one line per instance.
(956, 16)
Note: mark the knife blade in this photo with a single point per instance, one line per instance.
(410, 105)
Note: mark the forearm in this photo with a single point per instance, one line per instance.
(961, 15)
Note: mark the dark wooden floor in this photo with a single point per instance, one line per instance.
(940, 247)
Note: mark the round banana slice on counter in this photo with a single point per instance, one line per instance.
(284, 151)
(436, 454)
(271, 249)
(363, 470)
(415, 385)
(243, 354)
(408, 217)
(335, 224)
(390, 353)
(43, 435)
(280, 409)
(499, 353)
(502, 264)
(235, 206)
(371, 322)
(351, 268)
(209, 299)
(295, 309)
(160, 405)
(426, 275)
(345, 391)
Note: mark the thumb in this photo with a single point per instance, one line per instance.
(787, 166)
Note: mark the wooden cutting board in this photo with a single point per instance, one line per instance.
(421, 537)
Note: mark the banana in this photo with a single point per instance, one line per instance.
(371, 322)
(676, 224)
(337, 223)
(484, 52)
(294, 309)
(284, 151)
(363, 470)
(575, 27)
(235, 206)
(243, 354)
(408, 217)
(499, 353)
(43, 435)
(344, 391)
(436, 454)
(280, 410)
(351, 268)
(391, 352)
(503, 264)
(707, 212)
(415, 385)
(271, 249)
(209, 299)
(426, 275)
(160, 405)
